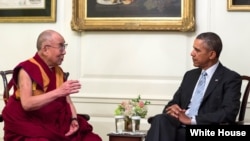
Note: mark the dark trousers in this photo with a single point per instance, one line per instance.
(166, 128)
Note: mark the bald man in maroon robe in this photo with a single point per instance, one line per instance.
(40, 108)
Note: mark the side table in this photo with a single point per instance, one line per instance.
(127, 136)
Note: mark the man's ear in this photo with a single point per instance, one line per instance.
(44, 50)
(212, 54)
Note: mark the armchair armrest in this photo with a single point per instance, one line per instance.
(85, 116)
(1, 118)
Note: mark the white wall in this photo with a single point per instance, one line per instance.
(114, 66)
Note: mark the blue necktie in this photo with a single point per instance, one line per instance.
(197, 96)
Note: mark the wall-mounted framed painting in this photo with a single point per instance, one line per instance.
(238, 5)
(161, 15)
(20, 11)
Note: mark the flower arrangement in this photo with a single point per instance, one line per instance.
(133, 107)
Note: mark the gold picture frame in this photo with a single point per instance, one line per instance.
(238, 5)
(83, 19)
(33, 11)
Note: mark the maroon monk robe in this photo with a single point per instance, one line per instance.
(49, 123)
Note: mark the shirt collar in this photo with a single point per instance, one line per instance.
(210, 71)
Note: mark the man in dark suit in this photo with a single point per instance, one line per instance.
(220, 98)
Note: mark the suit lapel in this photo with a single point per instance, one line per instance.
(191, 83)
(214, 81)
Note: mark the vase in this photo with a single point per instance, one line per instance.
(130, 122)
(119, 123)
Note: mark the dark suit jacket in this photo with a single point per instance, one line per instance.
(221, 101)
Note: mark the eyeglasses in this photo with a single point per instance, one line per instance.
(61, 47)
